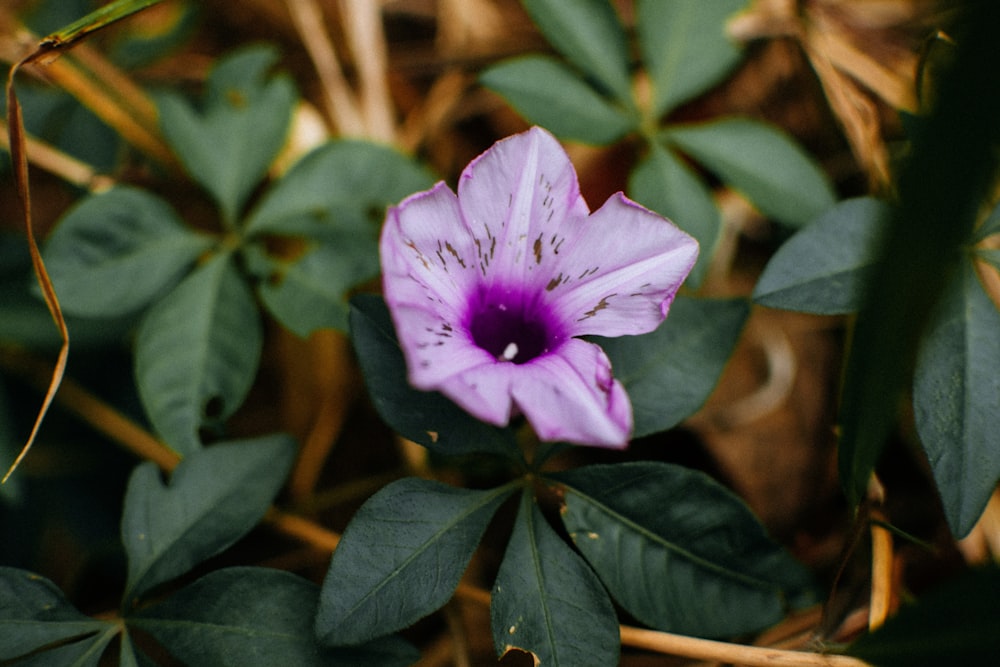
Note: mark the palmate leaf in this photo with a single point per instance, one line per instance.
(337, 192)
(215, 496)
(310, 292)
(131, 655)
(685, 47)
(990, 226)
(670, 372)
(228, 145)
(401, 558)
(425, 417)
(956, 394)
(826, 267)
(548, 93)
(663, 183)
(548, 602)
(770, 169)
(255, 617)
(954, 624)
(86, 652)
(115, 252)
(679, 551)
(197, 352)
(950, 171)
(590, 35)
(34, 613)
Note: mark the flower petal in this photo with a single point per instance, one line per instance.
(515, 195)
(484, 391)
(571, 396)
(425, 281)
(427, 251)
(435, 349)
(621, 272)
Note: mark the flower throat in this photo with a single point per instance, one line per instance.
(510, 330)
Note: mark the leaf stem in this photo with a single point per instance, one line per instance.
(707, 649)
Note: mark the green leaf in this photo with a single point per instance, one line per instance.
(215, 496)
(685, 47)
(954, 624)
(670, 372)
(100, 18)
(425, 417)
(229, 144)
(590, 35)
(255, 617)
(548, 602)
(338, 192)
(82, 653)
(826, 267)
(663, 183)
(548, 93)
(197, 352)
(990, 255)
(950, 172)
(990, 226)
(11, 491)
(34, 613)
(131, 656)
(955, 396)
(763, 163)
(310, 292)
(679, 551)
(115, 252)
(401, 558)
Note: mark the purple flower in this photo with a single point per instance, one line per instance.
(489, 290)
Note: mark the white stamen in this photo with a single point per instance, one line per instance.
(509, 352)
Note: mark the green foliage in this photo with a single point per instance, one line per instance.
(116, 252)
(953, 624)
(334, 198)
(990, 226)
(670, 372)
(826, 267)
(401, 558)
(338, 192)
(547, 601)
(427, 418)
(554, 96)
(309, 292)
(215, 496)
(230, 142)
(678, 551)
(664, 183)
(955, 392)
(760, 161)
(591, 37)
(254, 616)
(685, 47)
(35, 614)
(949, 173)
(197, 352)
(685, 51)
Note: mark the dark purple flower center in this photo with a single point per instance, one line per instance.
(512, 327)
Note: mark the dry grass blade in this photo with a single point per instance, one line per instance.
(19, 160)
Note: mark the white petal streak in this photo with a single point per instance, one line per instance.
(572, 396)
(622, 271)
(523, 189)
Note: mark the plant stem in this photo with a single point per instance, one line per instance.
(707, 649)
